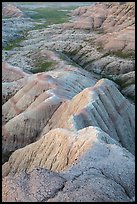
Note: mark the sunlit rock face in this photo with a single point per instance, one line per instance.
(91, 161)
(26, 113)
(65, 127)
(103, 106)
(62, 149)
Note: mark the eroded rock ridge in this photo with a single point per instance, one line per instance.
(68, 113)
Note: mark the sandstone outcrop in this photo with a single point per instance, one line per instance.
(116, 22)
(11, 73)
(98, 169)
(34, 104)
(47, 184)
(107, 48)
(101, 172)
(103, 106)
(56, 150)
(10, 10)
(13, 79)
(68, 113)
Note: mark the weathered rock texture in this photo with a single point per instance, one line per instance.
(105, 47)
(116, 22)
(66, 119)
(13, 79)
(10, 10)
(21, 187)
(55, 151)
(103, 106)
(14, 23)
(29, 110)
(105, 170)
(95, 176)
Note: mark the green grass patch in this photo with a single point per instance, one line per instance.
(6, 17)
(13, 44)
(16, 43)
(39, 26)
(43, 66)
(50, 15)
(124, 55)
(119, 54)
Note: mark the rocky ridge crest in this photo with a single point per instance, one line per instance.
(69, 130)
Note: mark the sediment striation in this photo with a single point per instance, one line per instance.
(68, 113)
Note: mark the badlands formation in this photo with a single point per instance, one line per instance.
(68, 132)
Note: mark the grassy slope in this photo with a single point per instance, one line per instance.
(48, 15)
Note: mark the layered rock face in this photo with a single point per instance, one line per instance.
(106, 46)
(59, 149)
(102, 170)
(33, 105)
(65, 127)
(13, 79)
(10, 10)
(103, 106)
(117, 22)
(56, 150)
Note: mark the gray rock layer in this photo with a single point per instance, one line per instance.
(69, 120)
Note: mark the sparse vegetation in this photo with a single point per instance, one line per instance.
(16, 43)
(123, 84)
(124, 55)
(100, 31)
(118, 53)
(100, 47)
(50, 15)
(43, 66)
